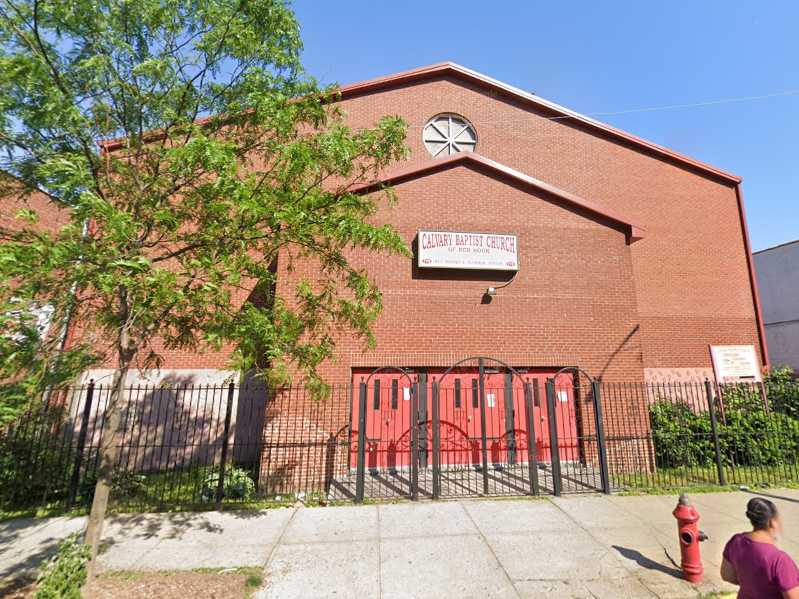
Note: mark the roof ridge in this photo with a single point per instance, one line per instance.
(454, 68)
(776, 247)
(634, 232)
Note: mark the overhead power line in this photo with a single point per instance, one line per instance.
(791, 92)
(782, 94)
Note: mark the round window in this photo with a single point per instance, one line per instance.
(447, 134)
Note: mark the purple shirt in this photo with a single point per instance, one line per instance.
(764, 570)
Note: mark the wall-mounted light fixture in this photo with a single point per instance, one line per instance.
(490, 292)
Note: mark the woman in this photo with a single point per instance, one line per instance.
(753, 561)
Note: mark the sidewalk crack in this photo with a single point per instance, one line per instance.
(491, 549)
(280, 538)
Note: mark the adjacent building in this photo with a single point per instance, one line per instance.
(778, 280)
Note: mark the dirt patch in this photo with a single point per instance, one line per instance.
(224, 584)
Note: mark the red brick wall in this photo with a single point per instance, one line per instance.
(51, 215)
(690, 271)
(571, 304)
(689, 275)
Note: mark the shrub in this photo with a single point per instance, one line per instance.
(741, 397)
(124, 484)
(748, 435)
(782, 389)
(64, 575)
(238, 485)
(755, 438)
(681, 437)
(34, 461)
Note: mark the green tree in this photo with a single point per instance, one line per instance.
(227, 155)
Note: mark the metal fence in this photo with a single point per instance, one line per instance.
(702, 434)
(205, 445)
(178, 446)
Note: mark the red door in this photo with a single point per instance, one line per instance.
(388, 418)
(459, 415)
(505, 414)
(565, 417)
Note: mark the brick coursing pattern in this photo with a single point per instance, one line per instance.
(51, 215)
(690, 276)
(583, 296)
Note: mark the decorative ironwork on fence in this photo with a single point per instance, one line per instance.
(185, 445)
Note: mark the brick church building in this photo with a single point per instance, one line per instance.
(542, 239)
(632, 259)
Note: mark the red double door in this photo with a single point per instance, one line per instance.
(389, 416)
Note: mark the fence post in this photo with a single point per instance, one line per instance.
(711, 407)
(220, 486)
(532, 462)
(84, 426)
(360, 472)
(436, 442)
(510, 418)
(483, 432)
(602, 449)
(414, 441)
(554, 450)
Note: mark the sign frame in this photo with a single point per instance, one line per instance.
(725, 373)
(419, 264)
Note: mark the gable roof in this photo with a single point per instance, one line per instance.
(398, 175)
(779, 246)
(455, 70)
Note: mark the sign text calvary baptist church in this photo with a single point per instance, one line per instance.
(458, 249)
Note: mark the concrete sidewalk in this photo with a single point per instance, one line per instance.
(587, 546)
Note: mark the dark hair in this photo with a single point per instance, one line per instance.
(760, 511)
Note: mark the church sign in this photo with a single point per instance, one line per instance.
(463, 250)
(735, 363)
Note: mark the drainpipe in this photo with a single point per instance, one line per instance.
(63, 334)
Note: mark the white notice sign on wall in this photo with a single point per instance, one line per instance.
(735, 363)
(475, 251)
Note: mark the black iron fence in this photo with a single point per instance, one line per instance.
(178, 446)
(702, 434)
(209, 445)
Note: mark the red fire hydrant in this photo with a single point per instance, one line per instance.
(690, 537)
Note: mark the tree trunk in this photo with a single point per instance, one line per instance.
(109, 449)
(109, 452)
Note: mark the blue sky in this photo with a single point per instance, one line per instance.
(600, 57)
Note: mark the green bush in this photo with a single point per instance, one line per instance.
(34, 461)
(748, 435)
(755, 438)
(124, 484)
(238, 485)
(782, 389)
(741, 398)
(681, 437)
(64, 575)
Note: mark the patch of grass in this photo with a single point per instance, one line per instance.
(676, 490)
(705, 479)
(47, 511)
(63, 576)
(254, 581)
